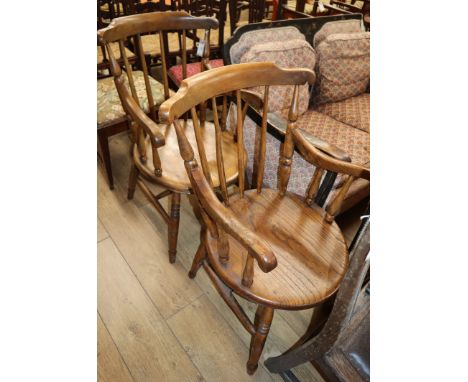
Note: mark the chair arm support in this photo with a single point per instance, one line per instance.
(139, 116)
(227, 220)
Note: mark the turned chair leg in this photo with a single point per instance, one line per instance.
(198, 260)
(263, 318)
(132, 182)
(103, 141)
(173, 225)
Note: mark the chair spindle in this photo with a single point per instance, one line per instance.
(284, 169)
(262, 150)
(314, 185)
(149, 93)
(240, 144)
(163, 65)
(201, 146)
(333, 208)
(219, 154)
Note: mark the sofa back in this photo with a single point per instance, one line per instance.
(307, 26)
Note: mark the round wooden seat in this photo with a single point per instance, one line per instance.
(312, 255)
(174, 176)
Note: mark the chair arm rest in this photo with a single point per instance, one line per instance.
(335, 152)
(228, 221)
(140, 117)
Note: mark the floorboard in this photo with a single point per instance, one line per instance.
(110, 365)
(146, 343)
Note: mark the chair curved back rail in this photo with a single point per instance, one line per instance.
(218, 217)
(149, 93)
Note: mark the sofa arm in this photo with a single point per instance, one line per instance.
(281, 124)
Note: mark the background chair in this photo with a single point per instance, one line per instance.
(156, 158)
(266, 245)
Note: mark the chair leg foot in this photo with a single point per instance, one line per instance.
(173, 226)
(132, 182)
(263, 318)
(198, 260)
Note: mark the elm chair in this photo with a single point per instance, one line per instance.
(266, 245)
(156, 158)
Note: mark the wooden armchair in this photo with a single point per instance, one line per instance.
(156, 159)
(266, 245)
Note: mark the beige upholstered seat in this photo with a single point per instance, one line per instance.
(109, 107)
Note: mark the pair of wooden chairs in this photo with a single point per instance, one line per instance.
(272, 247)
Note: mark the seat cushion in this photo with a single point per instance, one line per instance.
(115, 49)
(354, 111)
(175, 72)
(343, 67)
(339, 26)
(249, 39)
(109, 107)
(311, 255)
(286, 54)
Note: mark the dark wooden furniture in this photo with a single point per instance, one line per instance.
(266, 245)
(339, 348)
(156, 158)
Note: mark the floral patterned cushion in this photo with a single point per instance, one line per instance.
(109, 107)
(115, 49)
(340, 26)
(286, 54)
(248, 39)
(343, 68)
(354, 111)
(175, 72)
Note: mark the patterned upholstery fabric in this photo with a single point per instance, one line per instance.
(115, 49)
(248, 39)
(340, 26)
(286, 54)
(175, 72)
(353, 141)
(343, 68)
(109, 107)
(354, 111)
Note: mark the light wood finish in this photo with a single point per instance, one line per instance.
(219, 356)
(155, 155)
(150, 350)
(101, 232)
(268, 246)
(111, 367)
(290, 230)
(140, 245)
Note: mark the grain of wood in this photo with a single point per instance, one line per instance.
(110, 365)
(145, 250)
(144, 340)
(212, 345)
(101, 231)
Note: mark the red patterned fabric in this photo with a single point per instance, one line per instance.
(354, 111)
(175, 72)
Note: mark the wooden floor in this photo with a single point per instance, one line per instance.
(154, 323)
